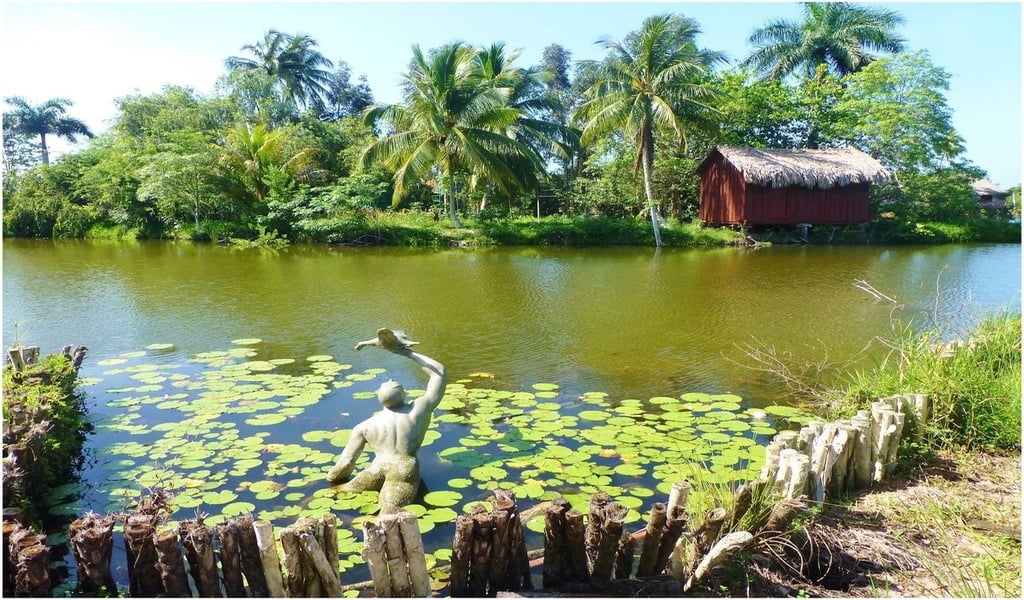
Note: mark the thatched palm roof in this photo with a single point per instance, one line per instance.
(804, 167)
(984, 187)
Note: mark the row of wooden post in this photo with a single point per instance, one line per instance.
(26, 561)
(823, 460)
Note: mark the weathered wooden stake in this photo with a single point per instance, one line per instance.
(198, 542)
(575, 540)
(479, 570)
(33, 575)
(556, 552)
(294, 578)
(398, 566)
(171, 564)
(269, 560)
(624, 556)
(92, 541)
(723, 549)
(462, 552)
(612, 516)
(652, 540)
(314, 554)
(673, 530)
(230, 559)
(708, 532)
(376, 559)
(143, 575)
(249, 552)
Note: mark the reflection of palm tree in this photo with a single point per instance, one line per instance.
(42, 120)
(452, 120)
(836, 34)
(294, 61)
(649, 82)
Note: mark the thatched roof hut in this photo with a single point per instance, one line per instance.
(758, 186)
(989, 194)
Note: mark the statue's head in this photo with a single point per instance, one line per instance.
(391, 394)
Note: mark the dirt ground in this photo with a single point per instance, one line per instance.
(951, 528)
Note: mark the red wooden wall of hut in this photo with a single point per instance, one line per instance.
(726, 199)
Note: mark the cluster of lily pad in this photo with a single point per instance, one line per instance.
(228, 434)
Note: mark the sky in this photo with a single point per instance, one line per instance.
(94, 52)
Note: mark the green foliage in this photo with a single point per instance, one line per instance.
(585, 231)
(974, 382)
(45, 392)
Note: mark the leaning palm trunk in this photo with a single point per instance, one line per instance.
(647, 162)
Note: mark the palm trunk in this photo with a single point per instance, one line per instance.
(647, 162)
(451, 196)
(42, 145)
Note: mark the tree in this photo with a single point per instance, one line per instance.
(452, 121)
(344, 98)
(294, 61)
(48, 118)
(253, 154)
(180, 183)
(650, 82)
(836, 34)
(895, 109)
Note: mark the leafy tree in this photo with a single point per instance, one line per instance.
(19, 153)
(48, 118)
(293, 61)
(758, 113)
(181, 185)
(895, 109)
(452, 121)
(175, 118)
(556, 59)
(838, 35)
(344, 98)
(651, 81)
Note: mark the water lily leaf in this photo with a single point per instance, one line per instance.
(106, 362)
(159, 346)
(246, 341)
(441, 515)
(443, 498)
(135, 354)
(460, 482)
(218, 498)
(594, 415)
(545, 387)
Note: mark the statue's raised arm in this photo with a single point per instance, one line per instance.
(395, 433)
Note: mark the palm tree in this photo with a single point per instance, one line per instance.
(251, 152)
(649, 82)
(836, 34)
(454, 121)
(42, 120)
(292, 59)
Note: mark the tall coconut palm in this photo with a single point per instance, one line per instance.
(652, 81)
(292, 59)
(48, 118)
(836, 34)
(451, 120)
(251, 152)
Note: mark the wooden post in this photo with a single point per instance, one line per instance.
(9, 567)
(783, 514)
(520, 556)
(415, 556)
(171, 564)
(673, 530)
(198, 542)
(595, 522)
(624, 556)
(479, 570)
(677, 496)
(397, 564)
(249, 553)
(314, 554)
(294, 578)
(376, 559)
(143, 575)
(230, 559)
(612, 516)
(33, 575)
(894, 443)
(462, 552)
(652, 540)
(862, 463)
(500, 574)
(575, 541)
(330, 541)
(30, 354)
(709, 531)
(269, 560)
(723, 549)
(556, 554)
(92, 542)
(14, 356)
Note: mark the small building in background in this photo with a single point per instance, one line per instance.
(757, 186)
(989, 195)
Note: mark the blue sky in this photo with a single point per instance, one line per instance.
(93, 52)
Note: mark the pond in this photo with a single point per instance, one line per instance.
(230, 377)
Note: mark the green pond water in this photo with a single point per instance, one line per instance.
(229, 378)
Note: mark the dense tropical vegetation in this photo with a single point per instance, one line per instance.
(288, 149)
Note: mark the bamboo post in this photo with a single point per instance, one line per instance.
(843, 447)
(783, 514)
(575, 540)
(249, 553)
(230, 559)
(882, 428)
(652, 540)
(92, 542)
(376, 560)
(143, 575)
(479, 570)
(820, 470)
(171, 564)
(677, 496)
(556, 554)
(722, 550)
(462, 552)
(198, 542)
(314, 554)
(269, 560)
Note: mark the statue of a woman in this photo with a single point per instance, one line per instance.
(394, 434)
